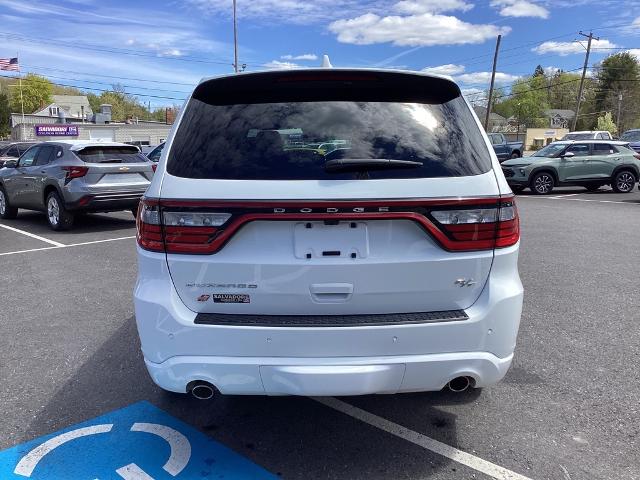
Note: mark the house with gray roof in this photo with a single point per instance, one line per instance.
(67, 106)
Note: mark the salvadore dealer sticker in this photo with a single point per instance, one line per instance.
(230, 298)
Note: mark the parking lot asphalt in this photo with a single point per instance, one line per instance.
(568, 408)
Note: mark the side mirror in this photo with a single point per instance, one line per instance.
(568, 155)
(10, 164)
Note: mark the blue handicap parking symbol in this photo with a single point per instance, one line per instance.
(139, 442)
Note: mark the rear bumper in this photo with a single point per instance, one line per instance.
(328, 376)
(326, 360)
(106, 202)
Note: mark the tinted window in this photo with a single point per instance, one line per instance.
(631, 136)
(154, 156)
(12, 152)
(45, 155)
(293, 140)
(579, 149)
(603, 149)
(578, 136)
(111, 154)
(29, 156)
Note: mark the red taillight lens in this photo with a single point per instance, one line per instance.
(195, 227)
(75, 172)
(149, 227)
(483, 228)
(154, 167)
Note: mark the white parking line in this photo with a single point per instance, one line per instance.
(564, 195)
(423, 441)
(37, 237)
(67, 246)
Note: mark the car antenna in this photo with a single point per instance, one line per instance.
(326, 63)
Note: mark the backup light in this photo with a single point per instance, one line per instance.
(456, 217)
(194, 219)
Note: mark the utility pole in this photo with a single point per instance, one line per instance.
(584, 74)
(235, 38)
(619, 111)
(493, 79)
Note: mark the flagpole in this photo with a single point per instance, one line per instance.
(21, 99)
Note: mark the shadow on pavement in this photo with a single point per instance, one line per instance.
(292, 436)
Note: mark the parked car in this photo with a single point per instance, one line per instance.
(505, 150)
(588, 163)
(389, 265)
(63, 178)
(145, 149)
(633, 138)
(154, 155)
(588, 135)
(12, 150)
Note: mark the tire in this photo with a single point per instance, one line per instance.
(623, 181)
(592, 188)
(58, 216)
(542, 183)
(7, 212)
(515, 155)
(517, 188)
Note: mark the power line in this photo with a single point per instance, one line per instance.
(105, 90)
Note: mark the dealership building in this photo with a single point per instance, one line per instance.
(71, 117)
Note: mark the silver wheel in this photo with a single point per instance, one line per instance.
(543, 183)
(625, 182)
(3, 203)
(53, 210)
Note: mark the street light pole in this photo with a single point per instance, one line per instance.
(235, 38)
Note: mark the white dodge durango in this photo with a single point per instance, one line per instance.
(327, 232)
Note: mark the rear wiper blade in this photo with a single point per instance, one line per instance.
(360, 164)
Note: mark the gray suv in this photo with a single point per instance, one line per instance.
(63, 178)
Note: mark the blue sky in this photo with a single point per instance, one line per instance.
(159, 49)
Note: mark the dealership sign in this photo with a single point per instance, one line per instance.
(55, 130)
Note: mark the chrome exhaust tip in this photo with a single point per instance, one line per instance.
(459, 384)
(203, 390)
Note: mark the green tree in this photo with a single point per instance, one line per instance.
(36, 94)
(527, 102)
(539, 71)
(618, 76)
(123, 105)
(5, 114)
(605, 122)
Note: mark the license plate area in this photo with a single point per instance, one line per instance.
(329, 240)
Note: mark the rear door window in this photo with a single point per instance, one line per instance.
(45, 155)
(111, 154)
(603, 149)
(275, 133)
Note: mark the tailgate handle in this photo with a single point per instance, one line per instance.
(331, 292)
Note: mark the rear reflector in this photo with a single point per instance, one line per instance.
(194, 227)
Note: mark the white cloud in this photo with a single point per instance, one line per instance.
(301, 12)
(551, 70)
(304, 56)
(571, 48)
(424, 29)
(278, 65)
(520, 8)
(416, 7)
(478, 78)
(448, 69)
(635, 52)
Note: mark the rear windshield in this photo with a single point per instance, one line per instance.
(294, 140)
(109, 154)
(578, 136)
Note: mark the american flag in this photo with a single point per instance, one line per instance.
(10, 64)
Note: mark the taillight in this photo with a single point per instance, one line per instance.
(195, 227)
(149, 227)
(154, 167)
(480, 228)
(74, 172)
